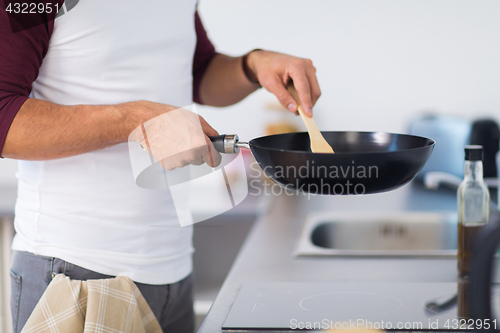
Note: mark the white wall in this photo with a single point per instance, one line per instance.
(379, 62)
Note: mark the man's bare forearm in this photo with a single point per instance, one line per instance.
(42, 130)
(224, 82)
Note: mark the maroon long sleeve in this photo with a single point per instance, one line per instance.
(203, 54)
(22, 53)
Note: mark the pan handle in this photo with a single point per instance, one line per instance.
(228, 143)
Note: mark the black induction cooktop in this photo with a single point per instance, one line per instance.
(388, 306)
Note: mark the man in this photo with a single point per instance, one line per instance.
(95, 74)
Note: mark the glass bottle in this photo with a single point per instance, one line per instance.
(473, 200)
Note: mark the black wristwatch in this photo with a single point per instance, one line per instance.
(248, 72)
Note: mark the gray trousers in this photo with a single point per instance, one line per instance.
(30, 275)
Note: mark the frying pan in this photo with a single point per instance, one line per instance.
(363, 163)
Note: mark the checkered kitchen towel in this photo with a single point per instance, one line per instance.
(104, 306)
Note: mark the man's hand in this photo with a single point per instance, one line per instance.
(273, 71)
(176, 137)
(43, 131)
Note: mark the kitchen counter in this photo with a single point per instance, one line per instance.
(266, 255)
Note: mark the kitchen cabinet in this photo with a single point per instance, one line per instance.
(217, 242)
(7, 201)
(6, 235)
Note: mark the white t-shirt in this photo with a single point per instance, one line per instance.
(87, 209)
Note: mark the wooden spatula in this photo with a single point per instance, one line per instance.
(318, 142)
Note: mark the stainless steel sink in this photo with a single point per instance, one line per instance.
(400, 234)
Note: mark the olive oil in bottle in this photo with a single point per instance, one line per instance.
(463, 299)
(473, 201)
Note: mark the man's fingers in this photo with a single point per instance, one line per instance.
(301, 83)
(169, 164)
(185, 144)
(314, 84)
(276, 87)
(211, 156)
(191, 157)
(196, 156)
(207, 129)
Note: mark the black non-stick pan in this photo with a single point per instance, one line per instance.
(363, 163)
